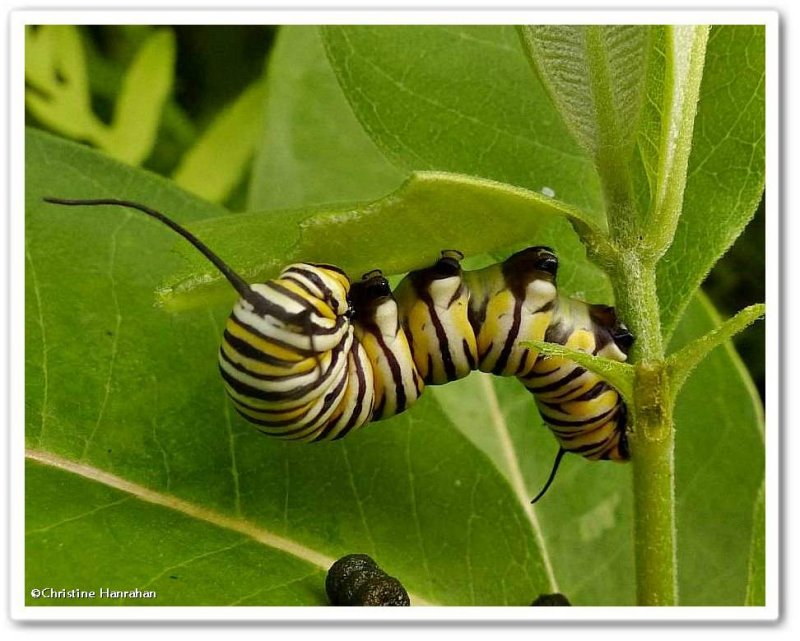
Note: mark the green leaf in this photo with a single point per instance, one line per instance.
(595, 75)
(425, 493)
(681, 363)
(172, 548)
(219, 159)
(430, 211)
(117, 387)
(685, 56)
(145, 88)
(726, 167)
(461, 99)
(312, 150)
(620, 375)
(719, 467)
(757, 580)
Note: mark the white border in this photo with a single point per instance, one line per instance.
(289, 614)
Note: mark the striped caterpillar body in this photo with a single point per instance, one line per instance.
(308, 356)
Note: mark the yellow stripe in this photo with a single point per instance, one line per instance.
(322, 308)
(266, 347)
(302, 367)
(278, 415)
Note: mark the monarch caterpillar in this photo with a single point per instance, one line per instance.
(310, 356)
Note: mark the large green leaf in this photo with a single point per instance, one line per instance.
(596, 77)
(719, 465)
(183, 553)
(310, 155)
(461, 99)
(402, 231)
(725, 178)
(125, 395)
(757, 581)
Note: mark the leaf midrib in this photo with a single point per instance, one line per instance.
(192, 510)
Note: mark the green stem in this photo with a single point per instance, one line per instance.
(652, 450)
(652, 437)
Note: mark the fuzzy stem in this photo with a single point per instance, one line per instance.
(652, 438)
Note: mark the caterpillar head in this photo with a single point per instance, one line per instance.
(613, 335)
(531, 276)
(369, 295)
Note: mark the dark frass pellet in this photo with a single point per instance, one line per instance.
(384, 590)
(356, 579)
(342, 569)
(551, 599)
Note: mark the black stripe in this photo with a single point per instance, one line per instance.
(294, 296)
(354, 414)
(297, 393)
(562, 423)
(511, 338)
(282, 377)
(397, 375)
(300, 351)
(274, 341)
(271, 421)
(246, 349)
(314, 278)
(456, 295)
(622, 444)
(263, 306)
(299, 283)
(304, 429)
(256, 421)
(599, 388)
(262, 377)
(572, 434)
(441, 337)
(477, 317)
(330, 268)
(546, 307)
(582, 449)
(429, 375)
(468, 354)
(567, 392)
(554, 406)
(377, 412)
(523, 361)
(551, 387)
(535, 374)
(417, 381)
(305, 317)
(362, 392)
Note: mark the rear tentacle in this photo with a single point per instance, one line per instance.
(556, 464)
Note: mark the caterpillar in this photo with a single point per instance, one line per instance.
(310, 356)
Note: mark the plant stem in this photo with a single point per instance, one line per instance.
(652, 438)
(652, 450)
